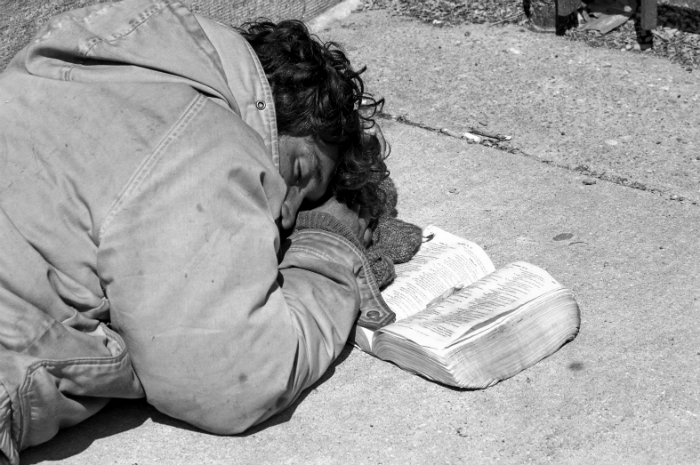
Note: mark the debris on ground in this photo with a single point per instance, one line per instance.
(490, 135)
(604, 16)
(477, 136)
(676, 38)
(453, 12)
(473, 138)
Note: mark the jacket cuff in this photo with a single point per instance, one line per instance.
(326, 222)
(374, 313)
(381, 264)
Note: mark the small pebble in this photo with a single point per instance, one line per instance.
(612, 142)
(589, 181)
(462, 431)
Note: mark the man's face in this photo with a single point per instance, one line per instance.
(307, 165)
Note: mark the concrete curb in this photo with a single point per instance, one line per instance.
(335, 13)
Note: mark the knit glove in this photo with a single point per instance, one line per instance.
(393, 240)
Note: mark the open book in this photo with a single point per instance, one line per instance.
(463, 323)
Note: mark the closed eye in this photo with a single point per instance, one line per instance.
(316, 169)
(298, 174)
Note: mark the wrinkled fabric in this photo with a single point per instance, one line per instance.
(139, 186)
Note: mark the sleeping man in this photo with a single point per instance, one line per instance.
(152, 164)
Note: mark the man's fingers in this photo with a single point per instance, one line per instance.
(367, 238)
(364, 232)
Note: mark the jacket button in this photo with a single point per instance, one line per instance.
(260, 105)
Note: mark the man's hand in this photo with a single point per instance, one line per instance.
(357, 220)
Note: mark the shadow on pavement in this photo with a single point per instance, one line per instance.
(118, 416)
(289, 412)
(122, 415)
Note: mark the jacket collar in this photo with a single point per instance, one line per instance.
(247, 82)
(157, 41)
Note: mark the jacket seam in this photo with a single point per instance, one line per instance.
(311, 251)
(30, 343)
(28, 381)
(14, 415)
(270, 116)
(371, 280)
(149, 163)
(142, 18)
(31, 369)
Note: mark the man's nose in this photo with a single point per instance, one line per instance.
(290, 207)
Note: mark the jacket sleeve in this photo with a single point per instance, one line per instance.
(221, 335)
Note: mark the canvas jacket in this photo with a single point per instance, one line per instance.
(139, 255)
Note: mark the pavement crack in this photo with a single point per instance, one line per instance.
(507, 146)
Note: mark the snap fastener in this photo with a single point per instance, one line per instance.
(260, 105)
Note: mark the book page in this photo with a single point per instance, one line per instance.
(496, 295)
(444, 263)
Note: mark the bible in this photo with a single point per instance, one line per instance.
(461, 322)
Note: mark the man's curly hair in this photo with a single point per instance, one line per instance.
(317, 93)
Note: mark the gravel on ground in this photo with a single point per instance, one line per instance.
(676, 38)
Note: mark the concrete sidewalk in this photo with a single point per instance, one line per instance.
(623, 392)
(623, 116)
